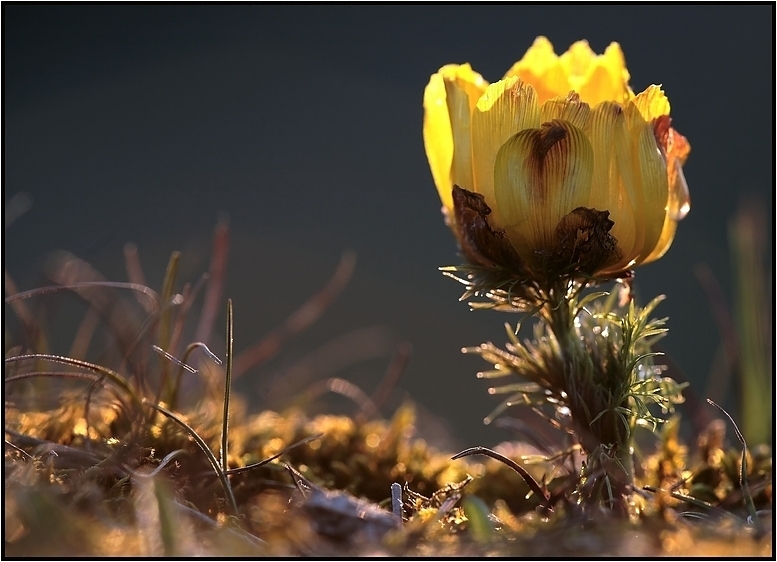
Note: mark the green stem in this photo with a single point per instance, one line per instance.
(598, 426)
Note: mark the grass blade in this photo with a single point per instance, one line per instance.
(530, 481)
(168, 288)
(204, 448)
(227, 385)
(743, 481)
(109, 374)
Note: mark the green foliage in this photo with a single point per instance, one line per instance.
(616, 356)
(588, 370)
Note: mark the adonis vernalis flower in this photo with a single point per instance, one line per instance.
(558, 168)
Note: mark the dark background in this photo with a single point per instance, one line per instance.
(144, 123)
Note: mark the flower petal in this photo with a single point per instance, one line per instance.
(652, 103)
(449, 98)
(438, 137)
(664, 242)
(540, 67)
(578, 63)
(679, 199)
(655, 190)
(607, 78)
(463, 88)
(507, 106)
(569, 109)
(614, 177)
(541, 175)
(675, 149)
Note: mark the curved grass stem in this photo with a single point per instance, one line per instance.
(205, 449)
(227, 386)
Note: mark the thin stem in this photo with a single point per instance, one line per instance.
(598, 425)
(227, 388)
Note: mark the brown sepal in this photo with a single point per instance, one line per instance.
(481, 244)
(672, 144)
(584, 243)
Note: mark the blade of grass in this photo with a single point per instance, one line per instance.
(232, 530)
(218, 266)
(390, 379)
(530, 481)
(172, 359)
(342, 387)
(114, 313)
(84, 334)
(696, 502)
(84, 285)
(747, 240)
(168, 289)
(167, 526)
(189, 294)
(233, 471)
(724, 322)
(227, 387)
(170, 457)
(35, 334)
(300, 320)
(743, 481)
(478, 517)
(24, 454)
(204, 448)
(134, 269)
(93, 378)
(163, 389)
(109, 374)
(64, 374)
(177, 384)
(46, 447)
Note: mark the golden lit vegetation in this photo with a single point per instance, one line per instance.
(554, 179)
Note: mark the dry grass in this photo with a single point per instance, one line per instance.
(128, 460)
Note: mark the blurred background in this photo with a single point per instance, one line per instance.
(301, 125)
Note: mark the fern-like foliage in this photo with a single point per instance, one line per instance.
(602, 384)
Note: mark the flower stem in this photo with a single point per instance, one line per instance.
(592, 388)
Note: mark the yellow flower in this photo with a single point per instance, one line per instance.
(559, 162)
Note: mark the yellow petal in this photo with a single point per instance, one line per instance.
(467, 80)
(541, 175)
(664, 242)
(507, 106)
(607, 78)
(674, 149)
(449, 98)
(577, 62)
(654, 192)
(651, 103)
(540, 67)
(538, 59)
(614, 178)
(569, 109)
(680, 190)
(438, 137)
(463, 88)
